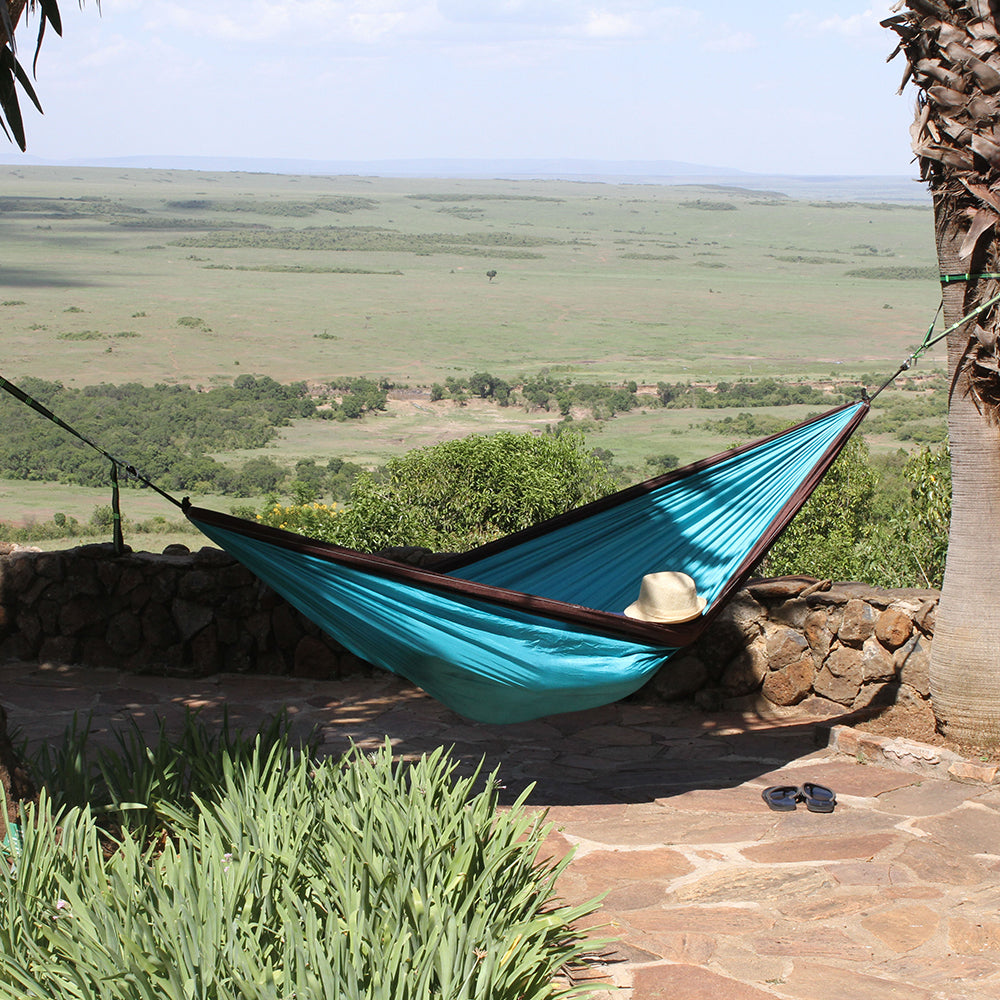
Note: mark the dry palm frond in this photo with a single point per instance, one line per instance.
(952, 52)
(11, 71)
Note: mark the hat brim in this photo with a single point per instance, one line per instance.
(634, 611)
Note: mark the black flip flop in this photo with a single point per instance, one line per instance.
(818, 798)
(781, 798)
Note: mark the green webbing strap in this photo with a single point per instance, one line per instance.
(930, 341)
(116, 512)
(116, 463)
(947, 279)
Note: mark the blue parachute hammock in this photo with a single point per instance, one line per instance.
(532, 625)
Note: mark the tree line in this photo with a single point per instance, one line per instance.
(170, 432)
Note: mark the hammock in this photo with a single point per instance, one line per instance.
(531, 625)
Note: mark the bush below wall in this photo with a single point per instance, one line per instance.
(200, 613)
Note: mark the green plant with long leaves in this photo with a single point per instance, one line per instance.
(127, 784)
(280, 876)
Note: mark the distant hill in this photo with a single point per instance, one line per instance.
(832, 187)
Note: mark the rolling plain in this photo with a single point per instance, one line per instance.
(183, 277)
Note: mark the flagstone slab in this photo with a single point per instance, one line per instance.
(763, 886)
(590, 764)
(720, 921)
(568, 816)
(970, 937)
(53, 698)
(614, 736)
(652, 825)
(847, 819)
(676, 946)
(903, 928)
(632, 896)
(741, 799)
(736, 957)
(928, 798)
(819, 848)
(632, 879)
(810, 980)
(70, 676)
(955, 977)
(684, 773)
(555, 792)
(970, 829)
(828, 905)
(691, 982)
(768, 745)
(938, 864)
(819, 942)
(707, 829)
(870, 873)
(573, 722)
(845, 777)
(692, 748)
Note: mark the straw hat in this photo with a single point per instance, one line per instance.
(668, 598)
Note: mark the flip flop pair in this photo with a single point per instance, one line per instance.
(784, 798)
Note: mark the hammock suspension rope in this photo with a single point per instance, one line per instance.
(930, 340)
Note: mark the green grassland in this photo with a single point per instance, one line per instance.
(158, 276)
(387, 278)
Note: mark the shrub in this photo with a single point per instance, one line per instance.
(826, 536)
(102, 516)
(458, 494)
(853, 529)
(285, 877)
(315, 520)
(909, 546)
(260, 475)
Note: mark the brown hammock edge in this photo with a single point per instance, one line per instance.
(435, 576)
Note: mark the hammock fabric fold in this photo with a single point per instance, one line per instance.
(531, 625)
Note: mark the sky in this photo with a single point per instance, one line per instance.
(787, 87)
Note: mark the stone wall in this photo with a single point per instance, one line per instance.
(172, 613)
(200, 613)
(796, 638)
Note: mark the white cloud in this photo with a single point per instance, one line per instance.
(863, 26)
(304, 22)
(731, 41)
(110, 53)
(607, 24)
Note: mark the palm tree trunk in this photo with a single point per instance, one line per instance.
(952, 49)
(965, 660)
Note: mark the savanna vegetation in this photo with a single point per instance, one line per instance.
(880, 517)
(168, 432)
(457, 494)
(661, 324)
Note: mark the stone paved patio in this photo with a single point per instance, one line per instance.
(709, 894)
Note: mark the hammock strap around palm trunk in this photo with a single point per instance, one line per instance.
(929, 339)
